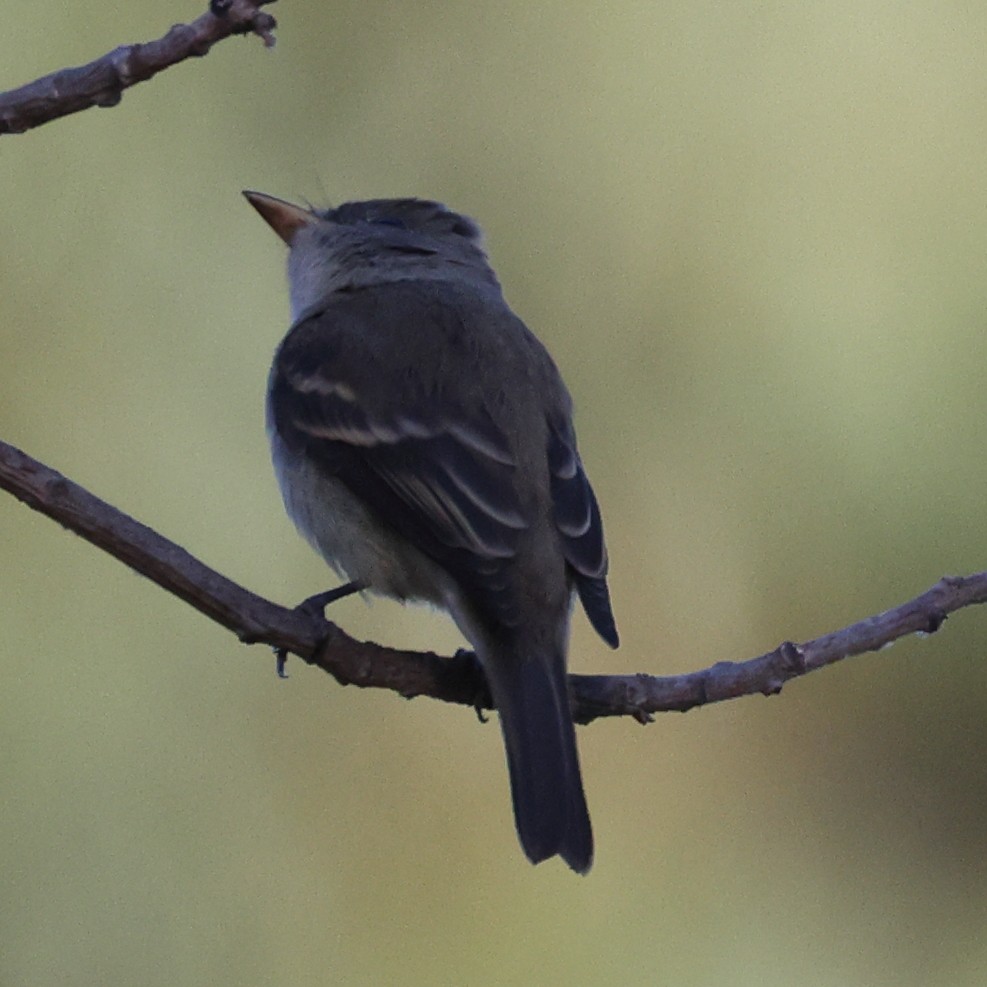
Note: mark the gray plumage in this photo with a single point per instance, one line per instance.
(423, 442)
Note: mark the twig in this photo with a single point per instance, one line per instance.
(457, 679)
(102, 82)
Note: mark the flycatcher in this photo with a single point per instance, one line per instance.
(423, 441)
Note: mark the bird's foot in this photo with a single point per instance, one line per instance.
(314, 606)
(481, 698)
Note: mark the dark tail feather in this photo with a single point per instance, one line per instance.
(549, 806)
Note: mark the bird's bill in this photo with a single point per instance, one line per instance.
(285, 218)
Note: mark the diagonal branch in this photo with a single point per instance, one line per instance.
(102, 82)
(458, 680)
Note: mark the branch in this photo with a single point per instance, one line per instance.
(458, 679)
(101, 83)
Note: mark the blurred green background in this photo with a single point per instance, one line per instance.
(755, 238)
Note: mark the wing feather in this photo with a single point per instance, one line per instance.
(577, 517)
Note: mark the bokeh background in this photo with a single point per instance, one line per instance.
(755, 238)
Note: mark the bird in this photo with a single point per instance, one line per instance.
(423, 442)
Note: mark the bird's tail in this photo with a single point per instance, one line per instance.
(550, 812)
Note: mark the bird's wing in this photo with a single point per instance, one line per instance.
(438, 473)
